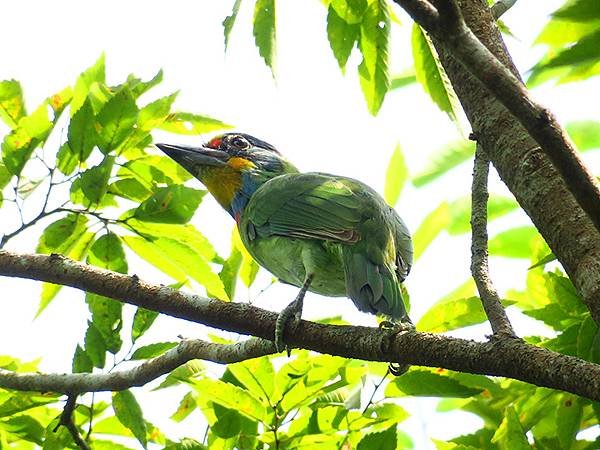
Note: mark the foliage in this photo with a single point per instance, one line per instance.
(125, 199)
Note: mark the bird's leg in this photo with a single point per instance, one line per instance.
(394, 328)
(291, 311)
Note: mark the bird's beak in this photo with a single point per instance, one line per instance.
(189, 156)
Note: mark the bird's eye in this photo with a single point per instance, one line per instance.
(240, 143)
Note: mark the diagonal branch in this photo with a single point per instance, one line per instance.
(66, 420)
(450, 30)
(76, 383)
(479, 248)
(503, 357)
(501, 6)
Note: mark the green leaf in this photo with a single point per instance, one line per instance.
(400, 81)
(183, 373)
(342, 34)
(561, 290)
(142, 321)
(374, 47)
(129, 188)
(452, 314)
(173, 204)
(5, 176)
(514, 243)
(431, 75)
(585, 134)
(24, 428)
(423, 383)
(82, 136)
(230, 270)
(249, 267)
(81, 361)
(155, 113)
(383, 440)
(395, 177)
(543, 261)
(233, 397)
(150, 170)
(59, 236)
(129, 413)
(107, 252)
(191, 124)
(12, 105)
(579, 11)
(139, 87)
(95, 346)
(178, 260)
(230, 21)
(257, 375)
(264, 30)
(584, 51)
(588, 341)
(94, 181)
(152, 350)
(116, 120)
(94, 74)
(430, 228)
(186, 406)
(460, 212)
(510, 434)
(444, 160)
(186, 444)
(568, 420)
(106, 317)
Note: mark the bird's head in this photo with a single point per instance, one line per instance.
(231, 166)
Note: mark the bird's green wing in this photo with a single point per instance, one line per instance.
(309, 205)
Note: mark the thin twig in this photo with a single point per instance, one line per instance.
(375, 389)
(501, 6)
(479, 248)
(66, 420)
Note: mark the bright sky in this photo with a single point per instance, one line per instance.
(312, 113)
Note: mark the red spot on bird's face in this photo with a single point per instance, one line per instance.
(215, 143)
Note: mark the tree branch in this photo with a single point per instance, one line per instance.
(452, 32)
(507, 357)
(66, 420)
(479, 248)
(537, 182)
(77, 383)
(501, 6)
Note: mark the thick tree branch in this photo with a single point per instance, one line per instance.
(479, 248)
(505, 357)
(501, 6)
(452, 32)
(76, 383)
(528, 172)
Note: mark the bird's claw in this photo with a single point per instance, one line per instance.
(290, 313)
(393, 329)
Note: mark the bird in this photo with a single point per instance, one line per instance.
(328, 234)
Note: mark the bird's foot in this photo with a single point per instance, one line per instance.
(393, 329)
(291, 313)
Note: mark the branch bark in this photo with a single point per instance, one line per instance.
(479, 249)
(511, 358)
(549, 181)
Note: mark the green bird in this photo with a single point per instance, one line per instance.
(324, 233)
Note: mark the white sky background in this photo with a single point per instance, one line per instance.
(311, 113)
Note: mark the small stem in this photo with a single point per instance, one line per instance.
(370, 402)
(66, 420)
(479, 248)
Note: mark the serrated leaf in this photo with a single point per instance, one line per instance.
(257, 375)
(106, 317)
(129, 413)
(510, 433)
(129, 188)
(264, 30)
(152, 350)
(588, 341)
(139, 87)
(229, 272)
(93, 74)
(116, 120)
(12, 105)
(342, 36)
(82, 135)
(183, 373)
(155, 113)
(232, 397)
(568, 420)
(229, 21)
(374, 47)
(430, 228)
(424, 383)
(154, 169)
(431, 75)
(543, 261)
(107, 252)
(383, 440)
(173, 204)
(395, 177)
(444, 160)
(94, 181)
(82, 363)
(60, 235)
(142, 321)
(186, 406)
(191, 124)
